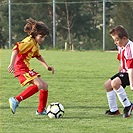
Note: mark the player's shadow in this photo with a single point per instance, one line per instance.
(7, 107)
(70, 112)
(86, 107)
(83, 112)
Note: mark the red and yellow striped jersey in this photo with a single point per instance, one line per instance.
(27, 49)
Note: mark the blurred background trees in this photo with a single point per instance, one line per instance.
(78, 23)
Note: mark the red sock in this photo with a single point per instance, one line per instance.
(31, 90)
(43, 96)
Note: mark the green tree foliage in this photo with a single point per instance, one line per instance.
(119, 13)
(85, 19)
(124, 16)
(20, 12)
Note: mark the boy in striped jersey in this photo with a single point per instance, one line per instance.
(124, 77)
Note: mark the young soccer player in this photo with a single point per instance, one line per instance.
(124, 77)
(19, 65)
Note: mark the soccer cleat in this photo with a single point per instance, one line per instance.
(127, 111)
(13, 104)
(108, 112)
(41, 113)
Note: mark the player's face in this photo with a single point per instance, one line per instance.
(40, 38)
(118, 41)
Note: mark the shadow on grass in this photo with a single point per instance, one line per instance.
(91, 116)
(84, 107)
(82, 112)
(88, 112)
(22, 107)
(66, 107)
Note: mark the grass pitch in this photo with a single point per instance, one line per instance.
(77, 84)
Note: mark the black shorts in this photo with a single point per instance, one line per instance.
(123, 77)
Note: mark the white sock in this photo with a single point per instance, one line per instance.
(111, 96)
(121, 93)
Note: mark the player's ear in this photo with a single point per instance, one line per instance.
(124, 37)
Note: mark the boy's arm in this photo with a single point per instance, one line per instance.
(120, 68)
(130, 73)
(12, 61)
(119, 59)
(43, 62)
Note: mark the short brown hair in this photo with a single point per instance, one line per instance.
(120, 31)
(34, 27)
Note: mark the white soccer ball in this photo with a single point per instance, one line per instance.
(55, 110)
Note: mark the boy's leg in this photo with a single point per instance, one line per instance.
(111, 97)
(121, 93)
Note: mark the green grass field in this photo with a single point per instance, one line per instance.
(77, 84)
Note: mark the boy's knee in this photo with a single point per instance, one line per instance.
(107, 85)
(115, 84)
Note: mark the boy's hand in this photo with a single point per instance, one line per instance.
(11, 69)
(51, 69)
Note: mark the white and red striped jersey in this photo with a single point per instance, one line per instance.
(125, 56)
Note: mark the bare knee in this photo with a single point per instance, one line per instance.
(107, 85)
(115, 83)
(40, 83)
(43, 86)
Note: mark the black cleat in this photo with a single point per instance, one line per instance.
(127, 111)
(108, 112)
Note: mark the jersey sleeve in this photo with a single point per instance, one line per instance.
(36, 53)
(16, 46)
(24, 46)
(118, 56)
(129, 55)
(28, 47)
(129, 63)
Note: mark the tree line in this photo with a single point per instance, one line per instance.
(79, 24)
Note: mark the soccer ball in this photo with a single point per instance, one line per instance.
(55, 110)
